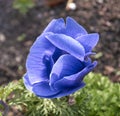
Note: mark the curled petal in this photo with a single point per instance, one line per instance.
(73, 29)
(67, 44)
(89, 41)
(66, 65)
(75, 79)
(39, 62)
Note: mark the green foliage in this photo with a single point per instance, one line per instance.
(104, 96)
(0, 114)
(21, 37)
(5, 91)
(23, 5)
(99, 97)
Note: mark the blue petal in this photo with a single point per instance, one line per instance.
(89, 41)
(68, 91)
(39, 62)
(43, 89)
(67, 44)
(66, 65)
(56, 26)
(57, 54)
(27, 82)
(73, 29)
(75, 79)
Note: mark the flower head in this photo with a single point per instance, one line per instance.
(56, 64)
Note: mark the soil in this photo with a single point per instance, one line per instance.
(18, 32)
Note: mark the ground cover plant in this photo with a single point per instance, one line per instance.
(97, 98)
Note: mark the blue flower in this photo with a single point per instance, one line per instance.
(59, 59)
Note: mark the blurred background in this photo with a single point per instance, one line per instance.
(21, 21)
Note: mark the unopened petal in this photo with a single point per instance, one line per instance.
(73, 28)
(67, 44)
(74, 80)
(66, 65)
(89, 41)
